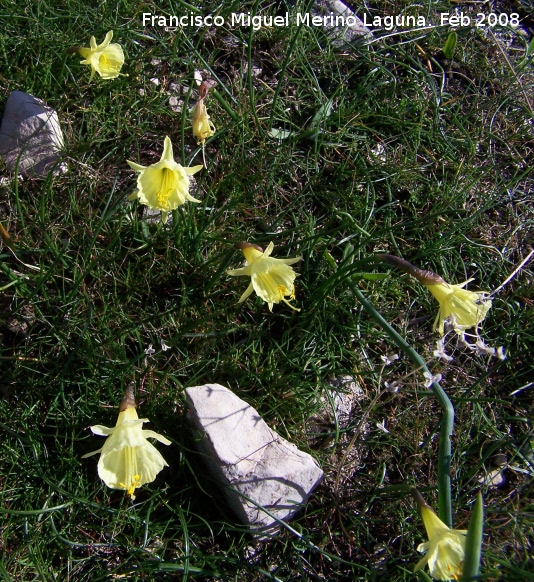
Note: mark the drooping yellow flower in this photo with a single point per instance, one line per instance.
(462, 308)
(127, 459)
(105, 59)
(272, 279)
(164, 185)
(202, 125)
(445, 549)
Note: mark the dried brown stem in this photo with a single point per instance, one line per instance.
(247, 245)
(424, 277)
(128, 400)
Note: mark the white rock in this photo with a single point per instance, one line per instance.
(250, 459)
(356, 30)
(30, 134)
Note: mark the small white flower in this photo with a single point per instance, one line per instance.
(393, 386)
(439, 352)
(500, 353)
(382, 426)
(150, 351)
(429, 379)
(389, 359)
(164, 346)
(484, 350)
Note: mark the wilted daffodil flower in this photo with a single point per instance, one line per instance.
(445, 549)
(127, 459)
(164, 185)
(272, 279)
(463, 309)
(202, 126)
(105, 59)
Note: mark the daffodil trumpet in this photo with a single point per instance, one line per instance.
(445, 549)
(127, 459)
(272, 279)
(164, 185)
(463, 309)
(106, 58)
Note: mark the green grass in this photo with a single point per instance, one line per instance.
(392, 148)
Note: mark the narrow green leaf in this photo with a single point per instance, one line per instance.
(450, 45)
(279, 134)
(323, 113)
(473, 542)
(372, 276)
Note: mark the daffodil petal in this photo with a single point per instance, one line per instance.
(154, 435)
(136, 167)
(91, 454)
(193, 169)
(101, 430)
(269, 249)
(243, 271)
(107, 40)
(421, 564)
(167, 154)
(247, 292)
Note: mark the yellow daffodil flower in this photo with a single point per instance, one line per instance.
(164, 185)
(105, 59)
(272, 279)
(202, 126)
(462, 308)
(445, 549)
(127, 459)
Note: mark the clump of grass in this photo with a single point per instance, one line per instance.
(389, 149)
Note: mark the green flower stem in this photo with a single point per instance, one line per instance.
(447, 420)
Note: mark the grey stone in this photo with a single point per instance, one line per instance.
(30, 134)
(257, 467)
(341, 34)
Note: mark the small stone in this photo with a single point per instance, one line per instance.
(339, 401)
(30, 134)
(249, 459)
(494, 478)
(175, 104)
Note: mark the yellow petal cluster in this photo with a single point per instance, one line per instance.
(164, 185)
(105, 59)
(272, 279)
(202, 126)
(464, 309)
(445, 549)
(127, 459)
